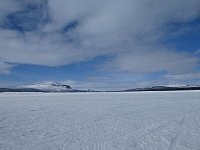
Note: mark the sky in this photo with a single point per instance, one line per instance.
(100, 44)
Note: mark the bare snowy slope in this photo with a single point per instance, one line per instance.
(48, 86)
(100, 121)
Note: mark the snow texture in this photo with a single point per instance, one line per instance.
(100, 121)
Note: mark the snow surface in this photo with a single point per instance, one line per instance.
(100, 121)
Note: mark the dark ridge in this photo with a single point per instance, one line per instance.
(163, 88)
(20, 90)
(155, 88)
(63, 85)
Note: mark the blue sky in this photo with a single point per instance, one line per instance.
(107, 44)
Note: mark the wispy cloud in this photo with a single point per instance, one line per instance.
(189, 76)
(5, 67)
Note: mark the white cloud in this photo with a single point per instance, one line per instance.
(8, 6)
(131, 30)
(154, 60)
(5, 67)
(189, 76)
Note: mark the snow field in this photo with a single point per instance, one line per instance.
(100, 121)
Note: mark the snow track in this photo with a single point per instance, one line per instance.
(100, 121)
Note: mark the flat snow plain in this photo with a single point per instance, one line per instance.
(100, 121)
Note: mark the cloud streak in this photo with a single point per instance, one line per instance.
(5, 67)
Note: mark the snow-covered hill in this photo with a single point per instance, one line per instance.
(172, 87)
(48, 86)
(179, 85)
(59, 87)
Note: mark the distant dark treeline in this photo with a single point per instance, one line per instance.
(19, 90)
(162, 88)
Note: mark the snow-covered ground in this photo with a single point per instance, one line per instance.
(100, 121)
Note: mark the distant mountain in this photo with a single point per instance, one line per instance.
(59, 87)
(48, 87)
(173, 87)
(44, 87)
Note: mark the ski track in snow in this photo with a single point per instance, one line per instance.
(100, 121)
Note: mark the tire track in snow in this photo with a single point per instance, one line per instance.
(179, 128)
